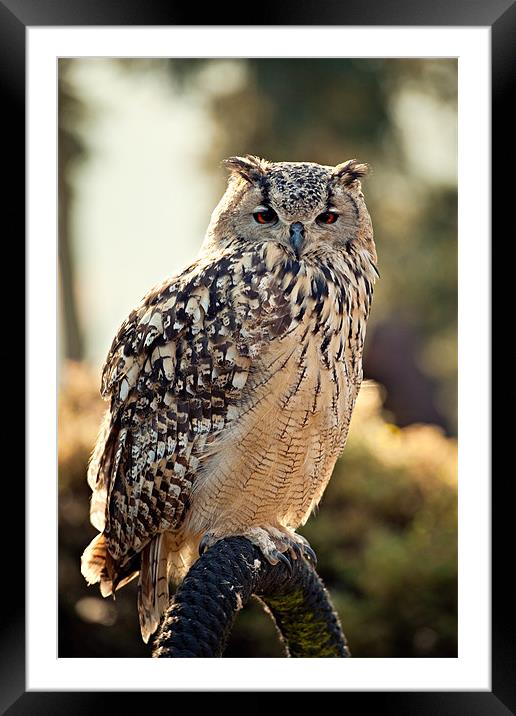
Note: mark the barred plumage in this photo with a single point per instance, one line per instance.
(231, 386)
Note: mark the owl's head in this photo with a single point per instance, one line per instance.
(309, 208)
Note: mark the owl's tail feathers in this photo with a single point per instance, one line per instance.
(153, 591)
(94, 564)
(153, 594)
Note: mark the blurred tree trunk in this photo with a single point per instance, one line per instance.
(69, 149)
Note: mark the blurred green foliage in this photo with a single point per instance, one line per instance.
(385, 536)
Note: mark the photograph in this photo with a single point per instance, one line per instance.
(258, 251)
(257, 357)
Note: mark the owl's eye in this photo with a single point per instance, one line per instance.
(327, 217)
(265, 215)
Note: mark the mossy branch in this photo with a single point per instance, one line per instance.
(200, 617)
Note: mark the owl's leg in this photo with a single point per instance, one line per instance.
(273, 542)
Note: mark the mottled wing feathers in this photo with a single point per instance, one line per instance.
(176, 367)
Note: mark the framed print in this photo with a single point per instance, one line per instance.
(109, 57)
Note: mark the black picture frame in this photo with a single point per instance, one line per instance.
(15, 17)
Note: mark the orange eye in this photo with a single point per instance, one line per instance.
(266, 216)
(328, 217)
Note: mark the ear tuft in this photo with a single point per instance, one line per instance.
(350, 171)
(250, 167)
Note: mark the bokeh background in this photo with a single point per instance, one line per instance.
(140, 146)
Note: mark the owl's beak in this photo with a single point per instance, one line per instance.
(297, 237)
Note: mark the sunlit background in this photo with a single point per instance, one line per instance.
(140, 147)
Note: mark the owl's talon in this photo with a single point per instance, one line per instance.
(306, 551)
(309, 554)
(303, 551)
(296, 550)
(281, 557)
(204, 544)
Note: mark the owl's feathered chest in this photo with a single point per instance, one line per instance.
(322, 301)
(304, 324)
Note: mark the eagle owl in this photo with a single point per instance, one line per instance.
(231, 385)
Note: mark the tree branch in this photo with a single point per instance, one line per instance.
(200, 617)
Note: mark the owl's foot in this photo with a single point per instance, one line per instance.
(290, 542)
(273, 543)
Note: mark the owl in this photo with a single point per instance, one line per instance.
(231, 386)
